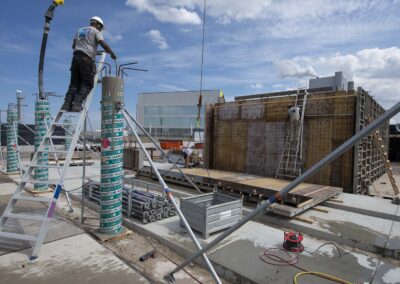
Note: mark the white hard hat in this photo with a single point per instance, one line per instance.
(97, 19)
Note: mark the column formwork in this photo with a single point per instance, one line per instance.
(68, 132)
(112, 123)
(42, 117)
(12, 143)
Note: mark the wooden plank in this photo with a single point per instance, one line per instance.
(319, 209)
(305, 203)
(303, 219)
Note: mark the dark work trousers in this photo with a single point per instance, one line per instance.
(82, 69)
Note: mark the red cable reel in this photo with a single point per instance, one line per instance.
(292, 242)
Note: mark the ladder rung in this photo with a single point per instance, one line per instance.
(58, 137)
(64, 123)
(18, 236)
(32, 198)
(53, 151)
(33, 181)
(46, 166)
(25, 216)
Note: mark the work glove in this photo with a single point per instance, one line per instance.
(113, 56)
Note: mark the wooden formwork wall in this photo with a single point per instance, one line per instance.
(369, 163)
(249, 136)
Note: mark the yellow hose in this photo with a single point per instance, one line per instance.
(320, 274)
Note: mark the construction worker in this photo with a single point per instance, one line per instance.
(294, 119)
(187, 155)
(83, 67)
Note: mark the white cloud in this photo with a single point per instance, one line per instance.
(257, 86)
(172, 88)
(376, 69)
(112, 37)
(289, 68)
(164, 11)
(226, 11)
(157, 38)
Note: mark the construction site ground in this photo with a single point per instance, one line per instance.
(360, 225)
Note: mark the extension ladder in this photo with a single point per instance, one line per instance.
(27, 178)
(290, 162)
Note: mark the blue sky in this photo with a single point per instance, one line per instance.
(251, 46)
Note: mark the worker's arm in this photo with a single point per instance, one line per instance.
(73, 44)
(107, 49)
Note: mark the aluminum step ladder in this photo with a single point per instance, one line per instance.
(44, 219)
(290, 162)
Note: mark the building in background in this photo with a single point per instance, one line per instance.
(338, 82)
(173, 114)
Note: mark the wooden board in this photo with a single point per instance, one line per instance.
(254, 188)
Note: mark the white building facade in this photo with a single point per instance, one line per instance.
(173, 114)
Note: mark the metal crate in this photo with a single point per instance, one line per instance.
(211, 212)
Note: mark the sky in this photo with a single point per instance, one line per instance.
(251, 46)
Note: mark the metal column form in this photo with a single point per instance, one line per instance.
(68, 130)
(12, 143)
(112, 148)
(42, 119)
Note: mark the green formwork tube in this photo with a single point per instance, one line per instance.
(112, 123)
(12, 144)
(42, 114)
(68, 132)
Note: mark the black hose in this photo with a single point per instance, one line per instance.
(48, 16)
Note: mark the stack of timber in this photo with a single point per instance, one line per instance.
(144, 206)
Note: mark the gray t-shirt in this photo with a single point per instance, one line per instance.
(87, 39)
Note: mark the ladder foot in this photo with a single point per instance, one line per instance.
(33, 257)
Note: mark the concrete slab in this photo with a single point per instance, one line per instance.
(77, 259)
(248, 247)
(58, 228)
(366, 205)
(353, 229)
(237, 258)
(7, 188)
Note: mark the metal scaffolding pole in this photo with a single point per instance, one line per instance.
(170, 197)
(83, 171)
(308, 173)
(164, 153)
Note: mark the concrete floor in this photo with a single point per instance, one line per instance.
(237, 258)
(76, 259)
(69, 255)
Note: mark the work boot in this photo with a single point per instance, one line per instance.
(77, 104)
(77, 107)
(67, 105)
